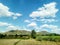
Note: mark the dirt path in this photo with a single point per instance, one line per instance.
(17, 42)
(34, 42)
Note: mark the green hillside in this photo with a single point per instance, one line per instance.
(18, 32)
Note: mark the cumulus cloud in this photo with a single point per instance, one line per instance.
(53, 28)
(4, 24)
(14, 17)
(44, 20)
(17, 14)
(32, 24)
(5, 11)
(48, 26)
(48, 20)
(27, 21)
(9, 26)
(48, 10)
(12, 27)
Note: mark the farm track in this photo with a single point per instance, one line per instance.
(17, 42)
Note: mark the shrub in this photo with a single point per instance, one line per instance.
(39, 38)
(49, 38)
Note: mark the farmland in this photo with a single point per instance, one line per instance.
(29, 22)
(31, 38)
(26, 42)
(8, 41)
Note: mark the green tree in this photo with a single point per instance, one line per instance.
(33, 34)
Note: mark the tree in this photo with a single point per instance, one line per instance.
(16, 36)
(33, 34)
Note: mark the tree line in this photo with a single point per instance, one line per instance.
(25, 36)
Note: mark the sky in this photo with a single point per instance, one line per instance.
(41, 15)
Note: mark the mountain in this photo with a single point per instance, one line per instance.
(18, 32)
(43, 33)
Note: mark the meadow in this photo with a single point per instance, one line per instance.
(8, 41)
(26, 42)
(32, 39)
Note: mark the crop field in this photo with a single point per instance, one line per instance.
(26, 42)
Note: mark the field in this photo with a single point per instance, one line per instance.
(26, 42)
(8, 41)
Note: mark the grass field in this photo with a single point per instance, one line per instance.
(26, 42)
(8, 41)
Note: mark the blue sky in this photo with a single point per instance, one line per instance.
(41, 15)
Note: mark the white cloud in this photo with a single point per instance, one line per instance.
(11, 27)
(5, 11)
(43, 20)
(14, 17)
(17, 14)
(53, 28)
(32, 24)
(4, 24)
(48, 26)
(25, 28)
(27, 21)
(48, 10)
(48, 20)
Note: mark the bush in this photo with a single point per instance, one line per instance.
(39, 38)
(54, 38)
(49, 38)
(57, 39)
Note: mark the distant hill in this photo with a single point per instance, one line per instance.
(43, 33)
(23, 32)
(18, 32)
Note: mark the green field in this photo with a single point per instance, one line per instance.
(26, 42)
